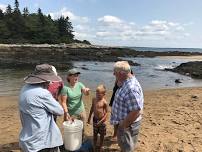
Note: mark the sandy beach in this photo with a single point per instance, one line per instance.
(172, 122)
(190, 58)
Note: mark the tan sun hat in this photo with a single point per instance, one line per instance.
(42, 73)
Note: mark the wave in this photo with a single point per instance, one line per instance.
(163, 67)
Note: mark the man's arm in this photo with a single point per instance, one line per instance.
(134, 101)
(130, 118)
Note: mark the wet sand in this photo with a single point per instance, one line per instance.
(172, 122)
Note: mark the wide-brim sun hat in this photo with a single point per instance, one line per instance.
(73, 71)
(42, 73)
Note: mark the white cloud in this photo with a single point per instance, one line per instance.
(109, 20)
(74, 18)
(80, 27)
(3, 7)
(103, 34)
(188, 24)
(186, 34)
(180, 28)
(84, 36)
(115, 29)
(81, 35)
(111, 29)
(157, 25)
(172, 24)
(157, 22)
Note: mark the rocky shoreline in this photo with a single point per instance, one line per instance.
(61, 54)
(27, 56)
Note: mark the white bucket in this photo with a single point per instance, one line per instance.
(73, 134)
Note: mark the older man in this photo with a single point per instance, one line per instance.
(127, 107)
(37, 106)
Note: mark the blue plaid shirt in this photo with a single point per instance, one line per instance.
(128, 97)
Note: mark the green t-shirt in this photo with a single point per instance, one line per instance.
(74, 96)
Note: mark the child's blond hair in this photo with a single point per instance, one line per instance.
(101, 88)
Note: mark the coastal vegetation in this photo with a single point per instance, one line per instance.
(35, 28)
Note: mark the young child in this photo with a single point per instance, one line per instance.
(99, 108)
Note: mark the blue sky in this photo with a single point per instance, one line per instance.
(142, 23)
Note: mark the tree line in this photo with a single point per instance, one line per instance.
(36, 28)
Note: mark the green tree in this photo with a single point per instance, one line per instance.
(69, 28)
(34, 27)
(65, 30)
(3, 28)
(16, 8)
(18, 27)
(25, 12)
(1, 15)
(8, 10)
(41, 18)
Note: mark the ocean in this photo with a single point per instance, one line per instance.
(166, 49)
(150, 73)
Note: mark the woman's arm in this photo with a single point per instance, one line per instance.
(63, 103)
(85, 91)
(91, 112)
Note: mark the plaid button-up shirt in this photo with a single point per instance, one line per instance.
(128, 97)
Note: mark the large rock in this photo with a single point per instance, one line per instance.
(193, 69)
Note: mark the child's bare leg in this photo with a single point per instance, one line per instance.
(114, 137)
(115, 131)
(95, 141)
(101, 141)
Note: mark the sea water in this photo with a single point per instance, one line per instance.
(150, 73)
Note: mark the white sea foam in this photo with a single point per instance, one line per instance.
(163, 67)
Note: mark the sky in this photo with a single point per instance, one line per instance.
(135, 23)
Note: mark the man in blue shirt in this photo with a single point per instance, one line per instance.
(127, 107)
(37, 106)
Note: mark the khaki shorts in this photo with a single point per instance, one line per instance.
(127, 138)
(81, 116)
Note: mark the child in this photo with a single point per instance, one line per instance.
(99, 108)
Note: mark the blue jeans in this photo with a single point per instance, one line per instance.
(127, 138)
